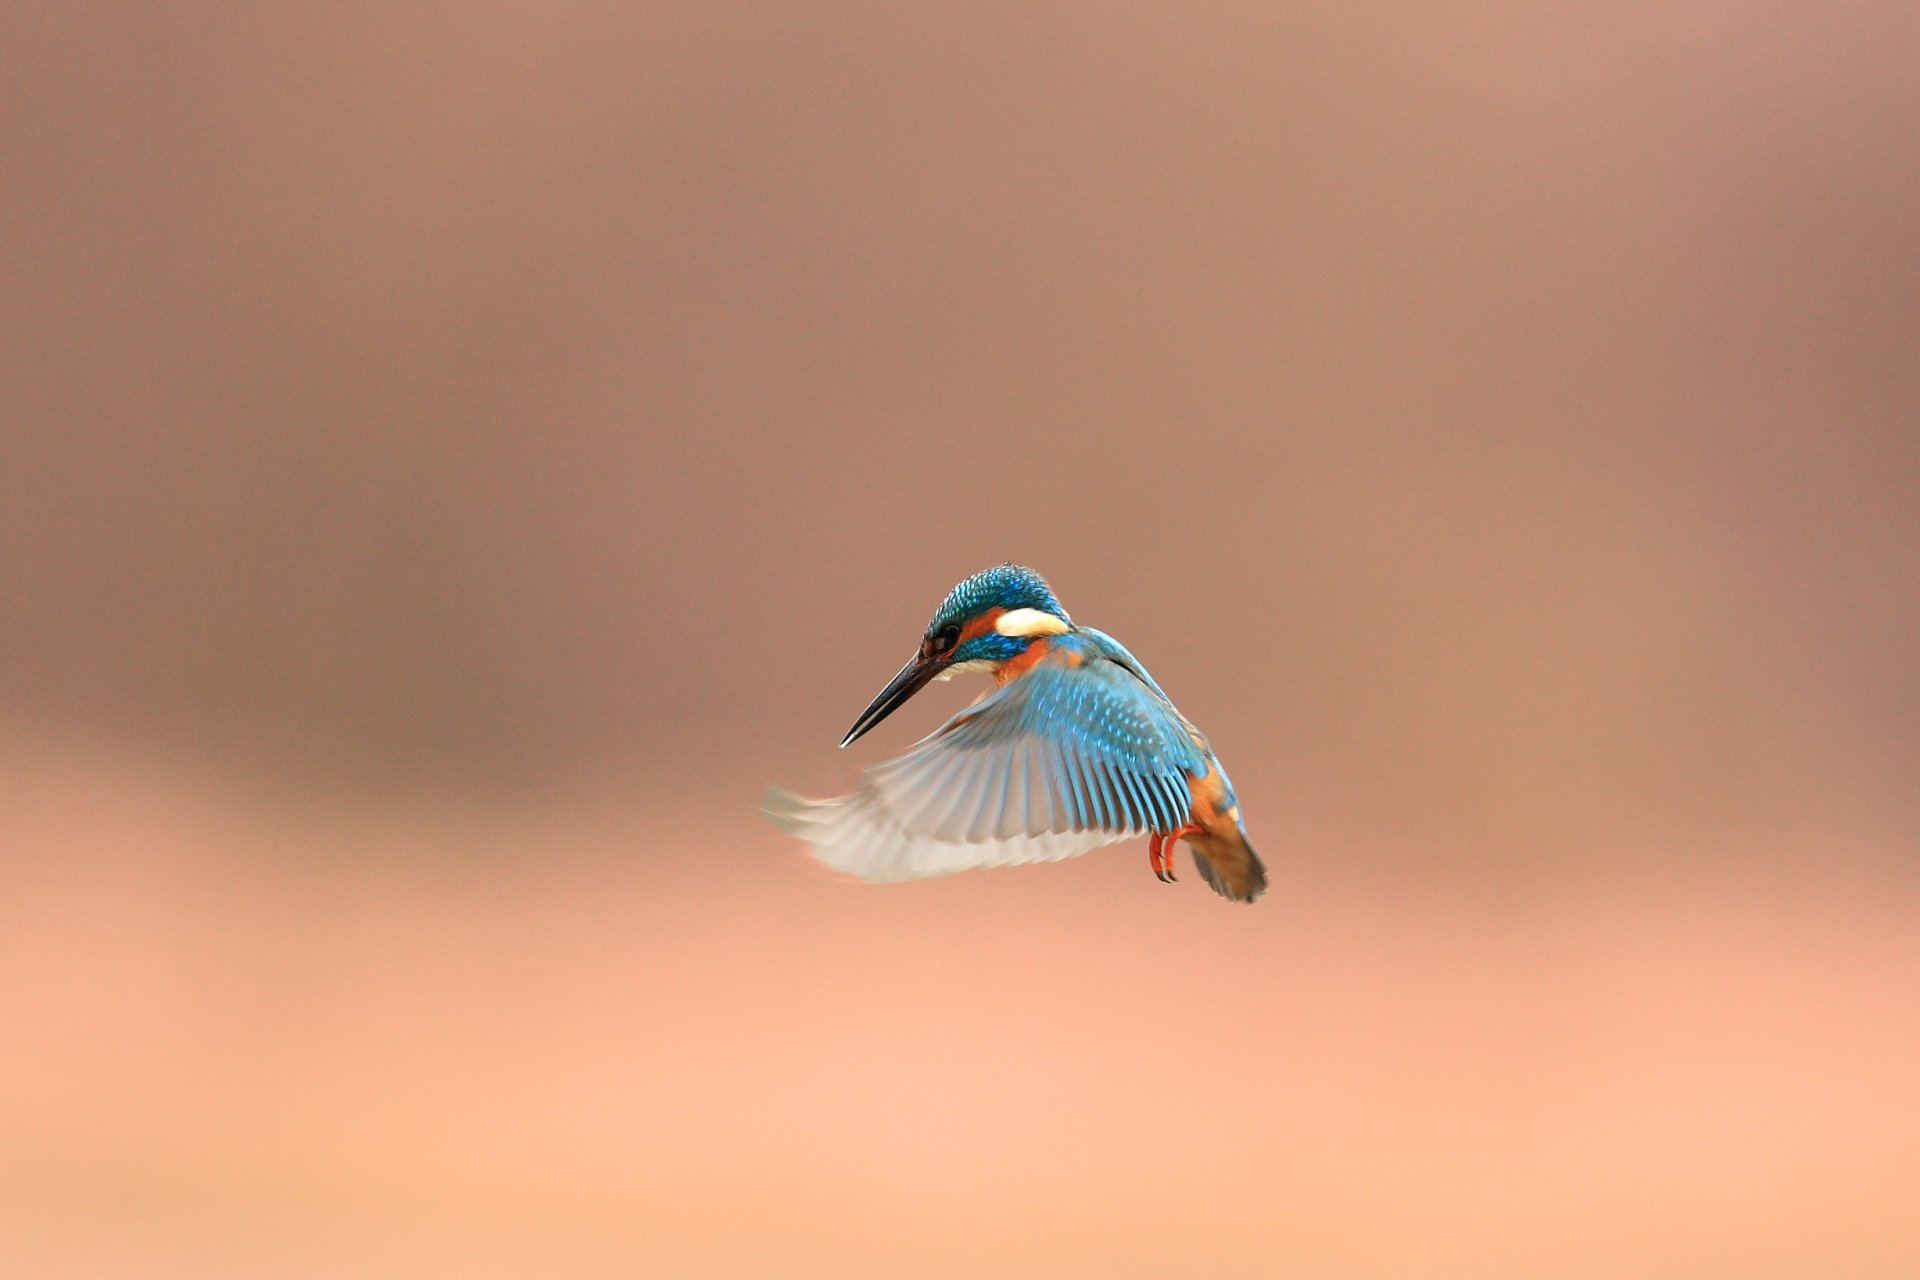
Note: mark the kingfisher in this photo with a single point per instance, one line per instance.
(1075, 747)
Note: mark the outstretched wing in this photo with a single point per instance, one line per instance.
(1060, 761)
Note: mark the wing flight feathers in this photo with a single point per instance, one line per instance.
(1061, 761)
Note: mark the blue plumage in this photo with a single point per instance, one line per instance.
(1077, 747)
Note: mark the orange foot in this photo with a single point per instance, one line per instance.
(1160, 851)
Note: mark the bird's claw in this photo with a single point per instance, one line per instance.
(1160, 850)
(1160, 857)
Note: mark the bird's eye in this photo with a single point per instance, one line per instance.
(945, 638)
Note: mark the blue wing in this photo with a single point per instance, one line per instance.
(1058, 762)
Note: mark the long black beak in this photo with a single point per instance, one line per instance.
(911, 679)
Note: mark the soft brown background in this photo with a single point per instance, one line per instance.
(457, 455)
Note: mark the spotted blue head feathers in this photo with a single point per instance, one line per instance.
(1005, 586)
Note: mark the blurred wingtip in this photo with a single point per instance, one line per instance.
(784, 808)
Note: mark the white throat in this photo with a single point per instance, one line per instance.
(972, 664)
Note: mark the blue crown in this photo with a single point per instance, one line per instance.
(1007, 586)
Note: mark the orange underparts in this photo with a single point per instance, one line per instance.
(1160, 851)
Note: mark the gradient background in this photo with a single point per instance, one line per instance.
(457, 455)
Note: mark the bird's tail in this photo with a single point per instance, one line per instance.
(1227, 862)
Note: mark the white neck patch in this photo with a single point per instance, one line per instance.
(1029, 622)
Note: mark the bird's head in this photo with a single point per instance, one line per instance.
(986, 620)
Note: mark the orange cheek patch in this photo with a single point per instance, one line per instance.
(981, 625)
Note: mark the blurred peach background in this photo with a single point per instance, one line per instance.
(456, 456)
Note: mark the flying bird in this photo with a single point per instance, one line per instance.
(1074, 748)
